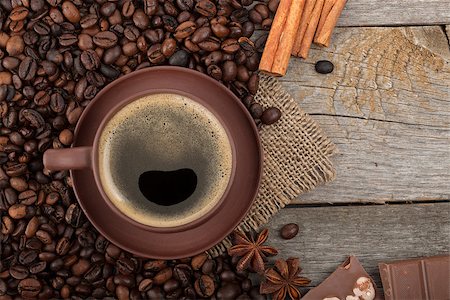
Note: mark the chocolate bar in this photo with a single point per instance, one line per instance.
(417, 279)
(349, 282)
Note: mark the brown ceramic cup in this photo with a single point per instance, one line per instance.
(162, 241)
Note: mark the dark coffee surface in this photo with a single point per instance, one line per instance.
(164, 132)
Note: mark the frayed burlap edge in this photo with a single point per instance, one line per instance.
(296, 158)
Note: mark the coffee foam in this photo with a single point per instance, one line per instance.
(164, 132)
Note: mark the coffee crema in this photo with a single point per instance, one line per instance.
(164, 134)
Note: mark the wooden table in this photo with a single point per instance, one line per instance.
(387, 108)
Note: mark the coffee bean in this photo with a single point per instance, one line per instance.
(184, 30)
(271, 115)
(204, 286)
(179, 58)
(125, 266)
(15, 45)
(19, 13)
(107, 9)
(73, 215)
(128, 8)
(209, 267)
(90, 59)
(37, 267)
(183, 273)
(140, 19)
(230, 46)
(229, 291)
(7, 225)
(215, 72)
(227, 276)
(80, 267)
(71, 12)
(32, 227)
(27, 256)
(111, 55)
(273, 5)
(3, 288)
(93, 273)
(10, 62)
(260, 42)
(162, 276)
(155, 55)
(168, 47)
(252, 62)
(190, 46)
(253, 84)
(171, 285)
(206, 8)
(324, 67)
(170, 23)
(186, 5)
(124, 280)
(68, 39)
(29, 287)
(28, 197)
(44, 236)
(155, 265)
(198, 261)
(17, 211)
(256, 110)
(289, 231)
(201, 34)
(240, 15)
(105, 39)
(33, 117)
(150, 7)
(88, 20)
(266, 24)
(220, 30)
(229, 71)
(18, 183)
(145, 285)
(18, 272)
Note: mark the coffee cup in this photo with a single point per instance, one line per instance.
(162, 159)
(168, 153)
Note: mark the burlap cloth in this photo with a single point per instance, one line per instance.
(296, 158)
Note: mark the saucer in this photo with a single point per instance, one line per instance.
(193, 238)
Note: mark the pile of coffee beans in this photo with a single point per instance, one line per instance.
(55, 56)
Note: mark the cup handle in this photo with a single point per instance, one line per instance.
(68, 159)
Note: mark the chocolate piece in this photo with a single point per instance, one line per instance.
(417, 279)
(349, 282)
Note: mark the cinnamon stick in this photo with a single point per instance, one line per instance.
(328, 21)
(307, 40)
(327, 6)
(306, 17)
(277, 52)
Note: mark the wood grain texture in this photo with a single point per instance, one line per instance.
(387, 107)
(374, 233)
(388, 12)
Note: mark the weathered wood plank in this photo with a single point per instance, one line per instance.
(373, 233)
(388, 12)
(387, 107)
(384, 162)
(380, 73)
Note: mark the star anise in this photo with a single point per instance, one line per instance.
(283, 280)
(251, 252)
